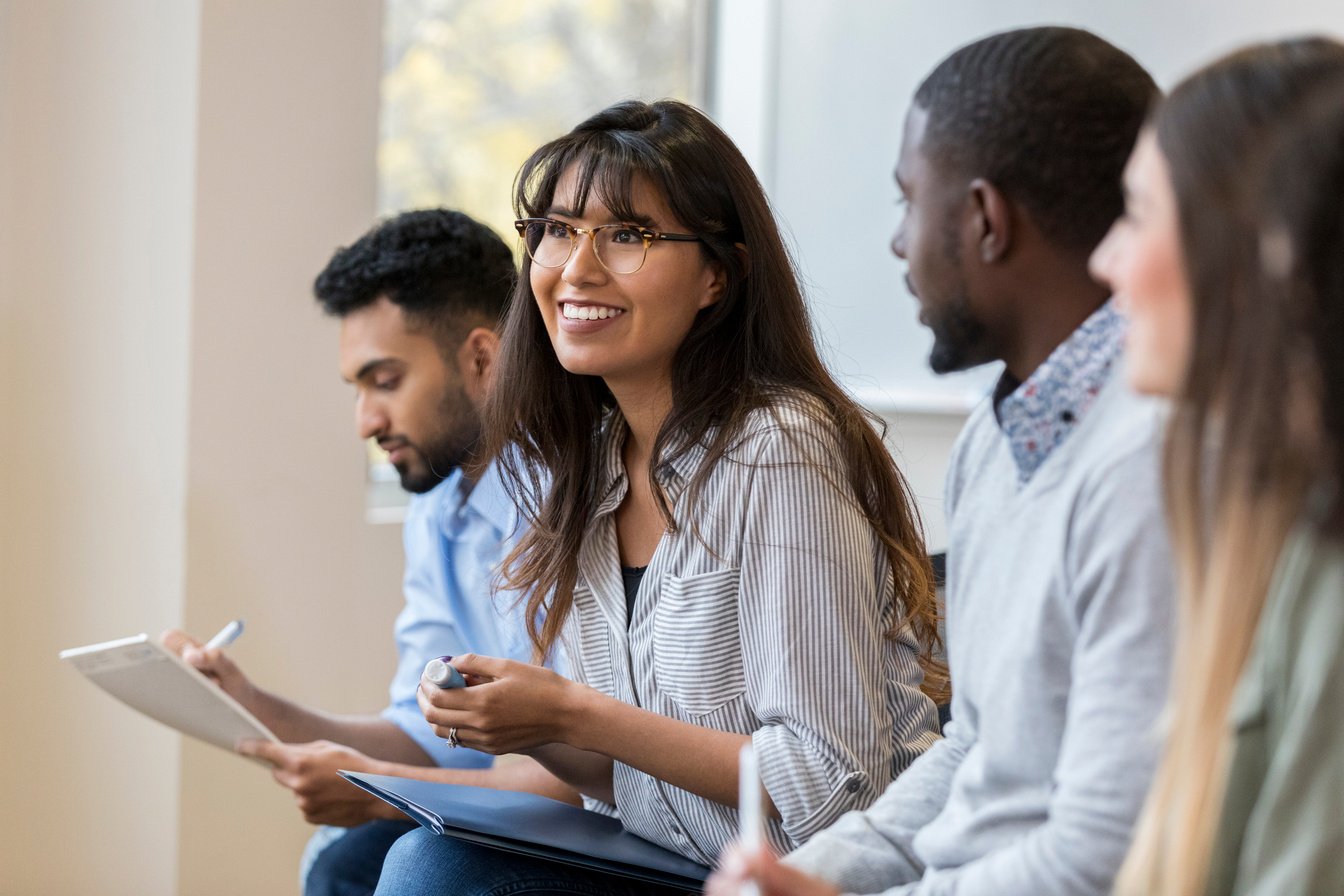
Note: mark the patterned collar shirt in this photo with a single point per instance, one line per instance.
(1037, 415)
(762, 614)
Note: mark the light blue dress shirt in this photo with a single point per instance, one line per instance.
(454, 547)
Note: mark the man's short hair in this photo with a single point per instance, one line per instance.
(445, 271)
(1049, 116)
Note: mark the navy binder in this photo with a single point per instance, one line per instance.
(533, 825)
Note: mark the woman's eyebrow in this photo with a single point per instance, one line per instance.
(613, 218)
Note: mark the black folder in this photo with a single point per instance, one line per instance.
(534, 826)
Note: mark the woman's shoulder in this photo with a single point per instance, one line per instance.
(1310, 568)
(789, 417)
(1304, 613)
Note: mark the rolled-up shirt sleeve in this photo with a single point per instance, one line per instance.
(839, 701)
(868, 850)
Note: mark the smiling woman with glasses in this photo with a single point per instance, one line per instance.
(722, 538)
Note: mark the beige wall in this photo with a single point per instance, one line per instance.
(177, 444)
(288, 126)
(95, 157)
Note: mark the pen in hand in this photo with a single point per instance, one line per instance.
(226, 636)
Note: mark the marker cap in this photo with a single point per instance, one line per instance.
(444, 675)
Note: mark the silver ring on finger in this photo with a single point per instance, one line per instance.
(452, 740)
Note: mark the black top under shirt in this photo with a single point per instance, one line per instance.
(631, 576)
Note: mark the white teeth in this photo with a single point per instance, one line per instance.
(589, 312)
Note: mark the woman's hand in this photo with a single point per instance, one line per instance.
(507, 706)
(737, 866)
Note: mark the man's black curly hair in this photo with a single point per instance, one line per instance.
(445, 270)
(1049, 116)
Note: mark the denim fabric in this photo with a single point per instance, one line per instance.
(349, 864)
(425, 864)
(323, 836)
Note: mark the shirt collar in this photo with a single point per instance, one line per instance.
(488, 499)
(673, 475)
(1038, 414)
(611, 467)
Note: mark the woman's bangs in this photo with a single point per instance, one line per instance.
(606, 170)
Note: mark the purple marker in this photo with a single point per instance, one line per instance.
(444, 675)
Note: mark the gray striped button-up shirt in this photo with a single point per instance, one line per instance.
(764, 613)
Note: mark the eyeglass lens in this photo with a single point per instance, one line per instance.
(620, 249)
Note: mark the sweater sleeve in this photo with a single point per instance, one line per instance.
(871, 850)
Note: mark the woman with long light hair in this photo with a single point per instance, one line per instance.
(721, 529)
(1230, 262)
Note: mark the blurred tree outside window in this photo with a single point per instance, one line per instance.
(471, 87)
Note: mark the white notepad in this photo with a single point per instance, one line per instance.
(148, 677)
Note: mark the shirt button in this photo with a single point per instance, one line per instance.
(853, 785)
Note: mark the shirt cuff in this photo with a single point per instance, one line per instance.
(593, 804)
(409, 720)
(808, 795)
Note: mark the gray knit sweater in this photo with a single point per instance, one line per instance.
(1059, 628)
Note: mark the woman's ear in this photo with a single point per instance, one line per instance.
(717, 276)
(476, 363)
(716, 282)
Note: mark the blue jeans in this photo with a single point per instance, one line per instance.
(349, 864)
(426, 864)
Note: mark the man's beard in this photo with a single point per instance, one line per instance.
(958, 338)
(446, 450)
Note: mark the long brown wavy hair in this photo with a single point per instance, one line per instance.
(1244, 439)
(754, 343)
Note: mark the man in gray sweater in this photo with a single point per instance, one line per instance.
(1059, 581)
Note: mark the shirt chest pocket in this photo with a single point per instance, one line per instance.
(697, 646)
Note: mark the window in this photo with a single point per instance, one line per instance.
(471, 87)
